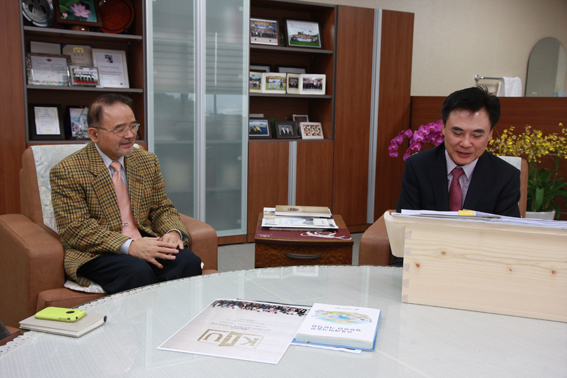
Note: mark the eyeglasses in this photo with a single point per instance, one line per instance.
(124, 129)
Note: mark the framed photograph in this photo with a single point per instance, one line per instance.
(295, 70)
(112, 68)
(84, 76)
(255, 82)
(298, 118)
(286, 130)
(47, 69)
(293, 83)
(259, 129)
(311, 130)
(260, 68)
(303, 34)
(76, 118)
(45, 122)
(273, 82)
(78, 12)
(81, 55)
(264, 32)
(312, 84)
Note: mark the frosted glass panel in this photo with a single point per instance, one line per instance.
(177, 102)
(226, 111)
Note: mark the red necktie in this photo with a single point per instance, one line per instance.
(455, 192)
(128, 226)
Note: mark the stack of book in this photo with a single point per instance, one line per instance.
(302, 218)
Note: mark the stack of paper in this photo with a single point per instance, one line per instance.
(298, 218)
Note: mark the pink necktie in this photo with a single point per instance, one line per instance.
(128, 226)
(455, 192)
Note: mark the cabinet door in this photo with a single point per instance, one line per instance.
(268, 171)
(314, 178)
(198, 105)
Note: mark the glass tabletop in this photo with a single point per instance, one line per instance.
(413, 340)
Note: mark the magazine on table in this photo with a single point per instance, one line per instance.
(239, 329)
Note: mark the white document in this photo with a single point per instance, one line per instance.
(49, 68)
(46, 121)
(239, 329)
(112, 69)
(45, 48)
(288, 222)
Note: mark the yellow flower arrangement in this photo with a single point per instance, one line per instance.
(543, 185)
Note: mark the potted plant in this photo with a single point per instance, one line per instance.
(544, 186)
(431, 134)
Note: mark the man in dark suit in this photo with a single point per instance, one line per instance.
(118, 246)
(488, 183)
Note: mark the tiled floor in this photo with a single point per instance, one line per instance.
(241, 256)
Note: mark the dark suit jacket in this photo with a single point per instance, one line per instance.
(86, 208)
(494, 188)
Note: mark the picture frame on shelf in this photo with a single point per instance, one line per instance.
(81, 55)
(260, 67)
(303, 34)
(112, 68)
(255, 82)
(76, 122)
(264, 32)
(45, 48)
(286, 130)
(259, 128)
(293, 83)
(274, 82)
(289, 69)
(298, 118)
(45, 122)
(312, 84)
(47, 69)
(311, 130)
(84, 76)
(78, 12)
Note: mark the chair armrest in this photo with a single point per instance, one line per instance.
(204, 242)
(31, 262)
(375, 246)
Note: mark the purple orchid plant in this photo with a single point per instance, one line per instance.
(432, 133)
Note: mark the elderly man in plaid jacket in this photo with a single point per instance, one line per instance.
(117, 226)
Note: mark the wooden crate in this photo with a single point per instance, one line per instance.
(501, 269)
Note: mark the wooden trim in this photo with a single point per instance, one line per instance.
(394, 104)
(236, 239)
(12, 122)
(353, 91)
(358, 228)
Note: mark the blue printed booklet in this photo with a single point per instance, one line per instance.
(339, 326)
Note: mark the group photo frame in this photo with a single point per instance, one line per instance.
(293, 83)
(303, 34)
(274, 82)
(255, 82)
(286, 130)
(264, 32)
(312, 84)
(311, 130)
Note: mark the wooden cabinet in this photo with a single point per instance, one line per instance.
(369, 95)
(132, 42)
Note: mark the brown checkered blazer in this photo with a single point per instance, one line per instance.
(86, 208)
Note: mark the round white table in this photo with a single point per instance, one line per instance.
(413, 340)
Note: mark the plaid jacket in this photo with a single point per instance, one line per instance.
(86, 208)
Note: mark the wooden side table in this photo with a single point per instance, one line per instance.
(286, 248)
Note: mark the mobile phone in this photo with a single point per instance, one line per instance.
(61, 314)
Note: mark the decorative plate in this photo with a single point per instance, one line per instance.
(39, 12)
(117, 15)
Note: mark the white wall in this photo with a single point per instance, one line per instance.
(454, 40)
